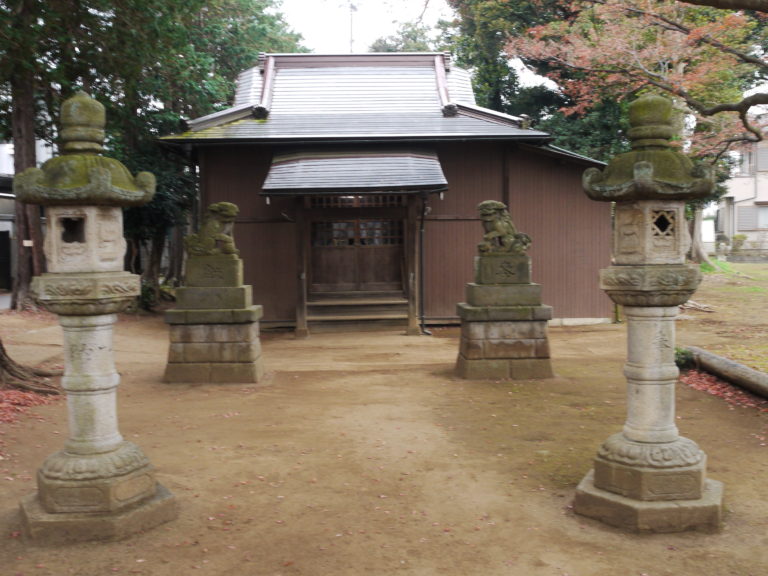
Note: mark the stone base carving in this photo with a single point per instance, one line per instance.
(102, 482)
(503, 268)
(44, 527)
(669, 285)
(651, 471)
(86, 293)
(214, 346)
(703, 513)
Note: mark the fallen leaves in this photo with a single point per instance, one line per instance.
(14, 403)
(733, 395)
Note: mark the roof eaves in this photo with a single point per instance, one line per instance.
(297, 59)
(562, 152)
(221, 117)
(486, 114)
(537, 139)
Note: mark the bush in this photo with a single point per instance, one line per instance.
(737, 242)
(684, 359)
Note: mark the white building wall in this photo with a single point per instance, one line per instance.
(43, 151)
(744, 209)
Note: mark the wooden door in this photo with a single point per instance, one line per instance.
(356, 255)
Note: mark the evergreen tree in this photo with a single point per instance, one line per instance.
(150, 62)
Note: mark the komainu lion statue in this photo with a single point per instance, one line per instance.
(215, 235)
(500, 233)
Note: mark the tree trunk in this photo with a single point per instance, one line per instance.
(23, 131)
(733, 372)
(152, 272)
(176, 256)
(14, 375)
(698, 253)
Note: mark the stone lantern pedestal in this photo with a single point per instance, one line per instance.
(503, 323)
(648, 478)
(99, 487)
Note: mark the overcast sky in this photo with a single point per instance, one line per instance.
(326, 24)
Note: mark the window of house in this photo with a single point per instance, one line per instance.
(747, 164)
(762, 217)
(762, 158)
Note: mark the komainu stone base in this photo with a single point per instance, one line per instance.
(704, 514)
(43, 527)
(504, 342)
(217, 346)
(503, 369)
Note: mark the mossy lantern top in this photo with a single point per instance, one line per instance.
(81, 176)
(652, 170)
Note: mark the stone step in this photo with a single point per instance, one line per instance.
(353, 317)
(359, 307)
(317, 297)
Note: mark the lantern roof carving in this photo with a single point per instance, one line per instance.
(653, 169)
(81, 175)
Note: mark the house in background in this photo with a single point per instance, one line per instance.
(8, 208)
(358, 178)
(7, 217)
(744, 209)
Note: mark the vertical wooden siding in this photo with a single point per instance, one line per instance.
(264, 234)
(571, 234)
(474, 173)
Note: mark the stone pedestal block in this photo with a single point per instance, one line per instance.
(503, 369)
(704, 513)
(651, 470)
(503, 268)
(99, 482)
(215, 270)
(219, 298)
(503, 294)
(504, 342)
(61, 528)
(214, 346)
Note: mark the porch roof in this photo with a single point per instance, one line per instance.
(315, 172)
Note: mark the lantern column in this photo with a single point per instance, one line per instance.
(648, 478)
(99, 487)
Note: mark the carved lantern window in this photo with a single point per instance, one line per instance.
(84, 239)
(650, 232)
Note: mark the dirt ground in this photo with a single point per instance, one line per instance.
(361, 453)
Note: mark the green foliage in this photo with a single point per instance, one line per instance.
(737, 242)
(152, 63)
(599, 133)
(410, 37)
(716, 267)
(684, 359)
(147, 299)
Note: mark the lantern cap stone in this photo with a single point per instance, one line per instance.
(82, 125)
(653, 169)
(81, 176)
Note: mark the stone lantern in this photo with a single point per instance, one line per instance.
(99, 486)
(648, 478)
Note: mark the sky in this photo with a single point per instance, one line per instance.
(325, 24)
